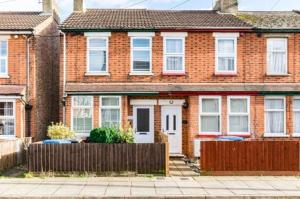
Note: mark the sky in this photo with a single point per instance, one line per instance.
(66, 6)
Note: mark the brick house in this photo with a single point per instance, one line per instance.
(194, 75)
(29, 64)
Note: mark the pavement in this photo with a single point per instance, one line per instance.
(152, 187)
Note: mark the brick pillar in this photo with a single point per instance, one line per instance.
(193, 123)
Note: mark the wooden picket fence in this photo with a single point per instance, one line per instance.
(100, 158)
(12, 152)
(250, 157)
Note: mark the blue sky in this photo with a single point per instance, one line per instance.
(66, 5)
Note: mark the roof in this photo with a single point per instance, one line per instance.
(11, 90)
(272, 20)
(142, 19)
(26, 21)
(192, 87)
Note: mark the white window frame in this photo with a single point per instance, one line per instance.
(295, 134)
(284, 117)
(269, 52)
(98, 48)
(182, 38)
(4, 57)
(219, 98)
(133, 72)
(229, 98)
(10, 117)
(110, 107)
(72, 106)
(225, 55)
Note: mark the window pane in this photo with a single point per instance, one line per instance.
(274, 122)
(7, 126)
(3, 66)
(143, 123)
(210, 106)
(277, 63)
(110, 118)
(82, 101)
(297, 104)
(238, 124)
(174, 63)
(141, 43)
(277, 44)
(3, 48)
(210, 124)
(110, 101)
(141, 60)
(274, 104)
(174, 46)
(97, 61)
(6, 109)
(297, 122)
(97, 43)
(82, 120)
(226, 63)
(226, 46)
(238, 105)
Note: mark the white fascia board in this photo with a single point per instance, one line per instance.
(97, 34)
(226, 34)
(174, 34)
(141, 34)
(143, 102)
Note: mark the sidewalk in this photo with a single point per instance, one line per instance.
(158, 187)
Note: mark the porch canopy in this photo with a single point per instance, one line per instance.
(12, 90)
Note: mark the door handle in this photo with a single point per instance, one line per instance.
(171, 133)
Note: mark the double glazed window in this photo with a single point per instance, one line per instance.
(3, 57)
(210, 115)
(275, 115)
(226, 50)
(82, 114)
(7, 118)
(97, 55)
(277, 56)
(296, 107)
(141, 54)
(174, 54)
(238, 115)
(111, 112)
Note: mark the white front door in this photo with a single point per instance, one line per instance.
(171, 124)
(143, 124)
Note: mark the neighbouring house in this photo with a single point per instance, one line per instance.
(29, 72)
(193, 75)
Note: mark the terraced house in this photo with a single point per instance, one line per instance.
(193, 75)
(29, 72)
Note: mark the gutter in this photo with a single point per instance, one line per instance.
(113, 93)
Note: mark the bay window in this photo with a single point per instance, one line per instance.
(82, 114)
(275, 116)
(210, 115)
(141, 55)
(238, 115)
(296, 119)
(277, 56)
(3, 57)
(7, 118)
(174, 54)
(97, 55)
(110, 111)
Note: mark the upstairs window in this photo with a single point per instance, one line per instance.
(174, 52)
(111, 112)
(274, 116)
(141, 54)
(277, 56)
(82, 114)
(97, 57)
(3, 57)
(226, 55)
(7, 118)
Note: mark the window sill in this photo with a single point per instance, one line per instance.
(275, 135)
(239, 134)
(6, 137)
(96, 74)
(173, 74)
(141, 74)
(278, 75)
(296, 135)
(4, 76)
(220, 74)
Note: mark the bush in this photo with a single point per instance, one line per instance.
(59, 131)
(111, 135)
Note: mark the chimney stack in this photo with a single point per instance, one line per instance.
(50, 7)
(226, 6)
(78, 6)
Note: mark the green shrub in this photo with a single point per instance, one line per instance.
(59, 131)
(126, 134)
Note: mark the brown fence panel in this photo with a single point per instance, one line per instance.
(250, 156)
(140, 158)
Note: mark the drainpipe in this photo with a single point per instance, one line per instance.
(64, 73)
(28, 107)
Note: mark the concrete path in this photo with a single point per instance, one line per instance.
(158, 187)
(179, 168)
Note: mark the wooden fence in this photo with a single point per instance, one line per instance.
(250, 157)
(139, 158)
(12, 152)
